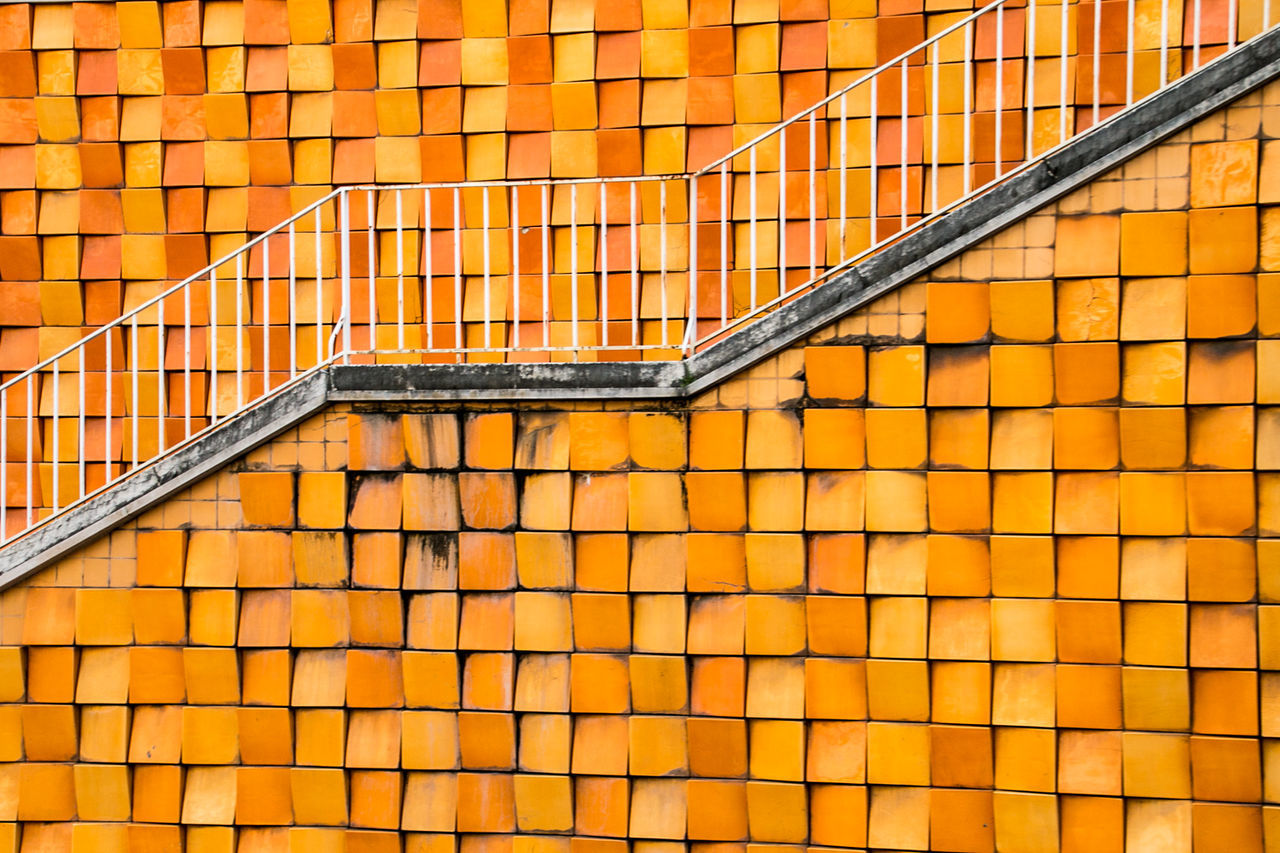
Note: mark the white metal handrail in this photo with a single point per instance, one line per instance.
(1069, 113)
(621, 268)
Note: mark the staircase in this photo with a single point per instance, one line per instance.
(631, 269)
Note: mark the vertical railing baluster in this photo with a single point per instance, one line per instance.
(1130, 23)
(428, 281)
(458, 341)
(933, 132)
(344, 316)
(160, 385)
(319, 253)
(107, 455)
(844, 165)
(133, 369)
(968, 109)
(692, 334)
(1097, 58)
(293, 303)
(902, 175)
(873, 147)
(371, 249)
(82, 401)
(999, 140)
(186, 361)
(782, 212)
(515, 267)
(1031, 77)
(31, 446)
(604, 268)
(724, 244)
(573, 269)
(751, 222)
(239, 331)
(662, 258)
(399, 270)
(266, 316)
(484, 251)
(213, 348)
(546, 268)
(813, 194)
(635, 270)
(1062, 75)
(56, 443)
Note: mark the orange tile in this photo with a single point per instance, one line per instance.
(957, 312)
(834, 438)
(486, 803)
(1154, 243)
(716, 440)
(717, 810)
(1223, 240)
(833, 373)
(1087, 245)
(488, 440)
(1221, 305)
(267, 498)
(1224, 173)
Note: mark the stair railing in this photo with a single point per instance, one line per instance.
(586, 269)
(165, 372)
(901, 149)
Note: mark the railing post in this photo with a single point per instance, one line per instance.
(240, 330)
(874, 153)
(724, 244)
(371, 248)
(80, 480)
(31, 445)
(427, 274)
(691, 335)
(573, 269)
(782, 212)
(293, 304)
(319, 253)
(213, 348)
(662, 261)
(635, 268)
(266, 315)
(458, 341)
(399, 270)
(160, 389)
(1031, 75)
(107, 444)
(751, 221)
(604, 267)
(55, 442)
(515, 267)
(344, 245)
(486, 267)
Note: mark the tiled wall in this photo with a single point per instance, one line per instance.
(138, 140)
(985, 565)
